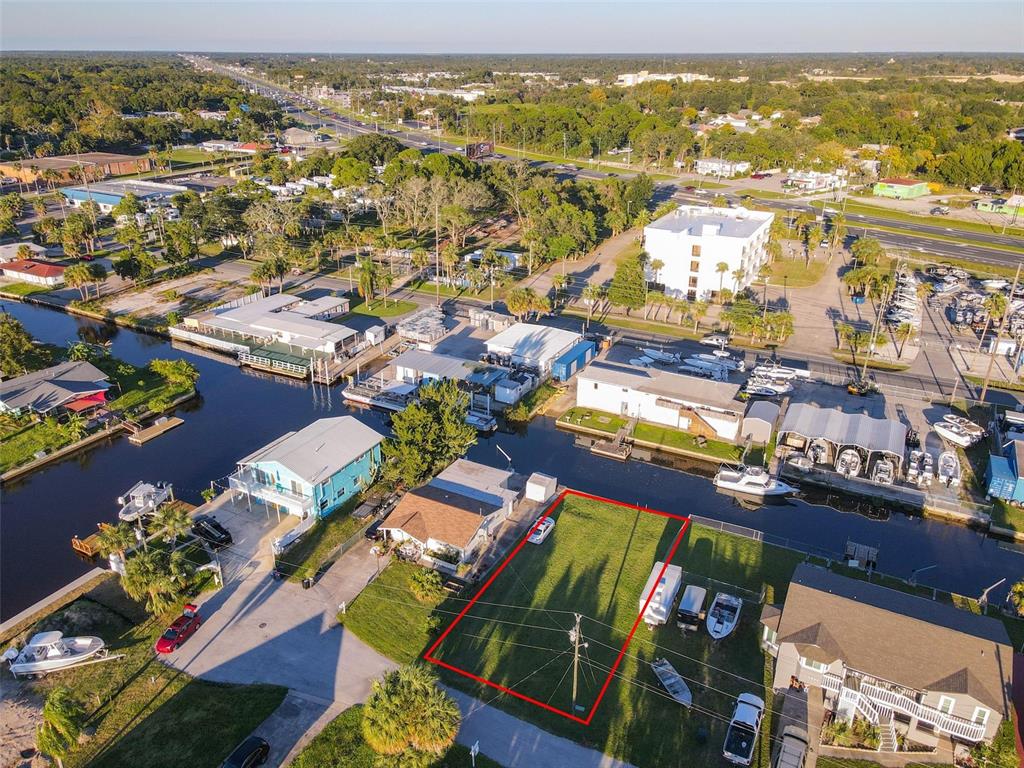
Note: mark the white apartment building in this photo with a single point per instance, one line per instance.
(716, 166)
(693, 240)
(630, 79)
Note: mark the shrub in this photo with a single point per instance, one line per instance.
(426, 585)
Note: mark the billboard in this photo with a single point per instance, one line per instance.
(479, 150)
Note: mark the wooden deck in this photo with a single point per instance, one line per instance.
(155, 430)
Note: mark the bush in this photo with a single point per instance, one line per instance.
(518, 413)
(426, 585)
(159, 404)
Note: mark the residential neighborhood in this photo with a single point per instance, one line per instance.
(450, 386)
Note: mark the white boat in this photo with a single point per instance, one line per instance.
(954, 433)
(764, 390)
(751, 481)
(726, 361)
(781, 371)
(658, 356)
(914, 466)
(143, 499)
(689, 370)
(724, 615)
(707, 365)
(949, 469)
(800, 461)
(50, 651)
(969, 426)
(848, 463)
(781, 386)
(883, 472)
(994, 285)
(818, 451)
(641, 362)
(927, 469)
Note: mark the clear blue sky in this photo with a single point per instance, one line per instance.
(514, 26)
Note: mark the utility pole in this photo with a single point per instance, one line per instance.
(999, 336)
(575, 635)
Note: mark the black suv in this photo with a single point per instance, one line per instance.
(211, 531)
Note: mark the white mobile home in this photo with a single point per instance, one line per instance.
(662, 589)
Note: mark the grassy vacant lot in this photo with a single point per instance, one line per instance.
(143, 712)
(378, 308)
(667, 437)
(306, 555)
(23, 289)
(591, 419)
(797, 273)
(341, 743)
(595, 562)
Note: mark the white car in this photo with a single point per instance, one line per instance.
(542, 530)
(715, 340)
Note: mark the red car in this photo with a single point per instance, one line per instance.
(181, 629)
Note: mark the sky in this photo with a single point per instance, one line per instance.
(515, 26)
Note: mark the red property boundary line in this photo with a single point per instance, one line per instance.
(429, 655)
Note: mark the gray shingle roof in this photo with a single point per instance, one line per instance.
(49, 388)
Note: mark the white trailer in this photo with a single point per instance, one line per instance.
(662, 588)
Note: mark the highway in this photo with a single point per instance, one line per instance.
(983, 248)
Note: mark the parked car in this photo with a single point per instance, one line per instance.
(939, 210)
(542, 531)
(180, 630)
(252, 751)
(760, 175)
(715, 340)
(211, 531)
(793, 748)
(741, 738)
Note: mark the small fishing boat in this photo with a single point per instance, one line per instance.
(774, 371)
(703, 373)
(658, 356)
(751, 481)
(709, 365)
(50, 651)
(800, 461)
(818, 451)
(914, 466)
(848, 463)
(672, 681)
(724, 615)
(969, 426)
(781, 386)
(927, 469)
(955, 434)
(949, 469)
(762, 390)
(883, 472)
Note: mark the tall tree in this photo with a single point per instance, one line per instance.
(628, 288)
(62, 724)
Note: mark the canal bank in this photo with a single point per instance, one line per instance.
(241, 411)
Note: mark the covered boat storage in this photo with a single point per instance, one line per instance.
(806, 424)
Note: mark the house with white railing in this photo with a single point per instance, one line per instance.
(924, 673)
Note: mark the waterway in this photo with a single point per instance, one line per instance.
(238, 412)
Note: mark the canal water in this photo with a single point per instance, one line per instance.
(238, 412)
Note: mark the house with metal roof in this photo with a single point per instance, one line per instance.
(930, 672)
(75, 385)
(486, 484)
(700, 406)
(1005, 475)
(311, 472)
(806, 426)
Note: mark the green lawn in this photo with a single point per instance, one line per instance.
(448, 292)
(24, 289)
(378, 308)
(595, 562)
(142, 711)
(341, 743)
(797, 273)
(675, 438)
(877, 365)
(591, 419)
(684, 331)
(1006, 516)
(193, 156)
(304, 557)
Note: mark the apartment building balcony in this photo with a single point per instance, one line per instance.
(246, 481)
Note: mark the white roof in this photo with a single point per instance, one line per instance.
(699, 221)
(535, 342)
(9, 251)
(477, 481)
(857, 429)
(279, 314)
(671, 386)
(435, 364)
(318, 451)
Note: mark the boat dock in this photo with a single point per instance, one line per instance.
(154, 430)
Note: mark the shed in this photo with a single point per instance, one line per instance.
(566, 366)
(540, 487)
(759, 421)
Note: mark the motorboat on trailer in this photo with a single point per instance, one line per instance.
(751, 481)
(848, 462)
(775, 371)
(949, 469)
(723, 615)
(726, 360)
(955, 434)
(642, 362)
(914, 466)
(781, 386)
(967, 424)
(659, 356)
(995, 284)
(883, 472)
(712, 364)
(927, 469)
(50, 651)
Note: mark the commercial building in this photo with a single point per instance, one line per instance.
(98, 165)
(629, 79)
(716, 166)
(692, 241)
(73, 386)
(814, 181)
(1008, 206)
(535, 347)
(901, 189)
(311, 472)
(35, 272)
(299, 137)
(826, 432)
(107, 194)
(922, 672)
(699, 406)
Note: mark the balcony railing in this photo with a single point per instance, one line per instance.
(246, 481)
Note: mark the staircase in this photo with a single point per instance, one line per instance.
(887, 734)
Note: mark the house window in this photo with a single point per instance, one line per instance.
(693, 282)
(695, 251)
(770, 635)
(946, 704)
(695, 266)
(323, 503)
(595, 385)
(817, 666)
(691, 295)
(980, 716)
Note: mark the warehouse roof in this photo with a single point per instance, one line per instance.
(535, 342)
(812, 422)
(700, 221)
(672, 386)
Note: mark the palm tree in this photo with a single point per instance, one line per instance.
(764, 272)
(115, 540)
(721, 268)
(592, 294)
(174, 521)
(697, 311)
(385, 281)
(156, 578)
(559, 282)
(368, 277)
(656, 266)
(409, 715)
(738, 276)
(996, 304)
(903, 334)
(78, 276)
(62, 725)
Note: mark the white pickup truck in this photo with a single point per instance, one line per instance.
(793, 749)
(741, 738)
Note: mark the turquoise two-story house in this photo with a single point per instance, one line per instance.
(313, 471)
